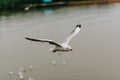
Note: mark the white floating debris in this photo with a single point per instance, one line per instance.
(26, 8)
(64, 62)
(31, 67)
(54, 62)
(10, 73)
(21, 75)
(31, 78)
(22, 70)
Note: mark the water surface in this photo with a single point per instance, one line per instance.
(95, 53)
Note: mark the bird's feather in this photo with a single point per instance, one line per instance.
(72, 34)
(44, 40)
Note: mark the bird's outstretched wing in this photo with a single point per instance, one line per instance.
(72, 34)
(44, 40)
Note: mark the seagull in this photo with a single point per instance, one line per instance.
(64, 45)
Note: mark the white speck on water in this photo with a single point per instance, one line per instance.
(54, 62)
(22, 70)
(26, 8)
(20, 73)
(31, 78)
(10, 73)
(21, 77)
(31, 67)
(64, 62)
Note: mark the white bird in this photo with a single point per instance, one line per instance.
(64, 45)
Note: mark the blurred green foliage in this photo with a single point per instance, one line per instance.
(10, 4)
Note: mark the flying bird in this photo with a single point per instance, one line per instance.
(64, 45)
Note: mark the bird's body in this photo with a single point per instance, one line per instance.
(63, 46)
(61, 49)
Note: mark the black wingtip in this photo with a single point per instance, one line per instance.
(31, 39)
(78, 25)
(27, 38)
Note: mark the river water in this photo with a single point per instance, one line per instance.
(96, 48)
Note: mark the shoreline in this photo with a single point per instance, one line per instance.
(54, 4)
(90, 2)
(74, 3)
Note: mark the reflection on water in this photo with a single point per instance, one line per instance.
(95, 53)
(54, 62)
(22, 74)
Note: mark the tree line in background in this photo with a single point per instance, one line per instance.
(12, 4)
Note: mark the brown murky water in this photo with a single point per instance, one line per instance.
(96, 49)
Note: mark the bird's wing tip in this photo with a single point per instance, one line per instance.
(78, 25)
(26, 38)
